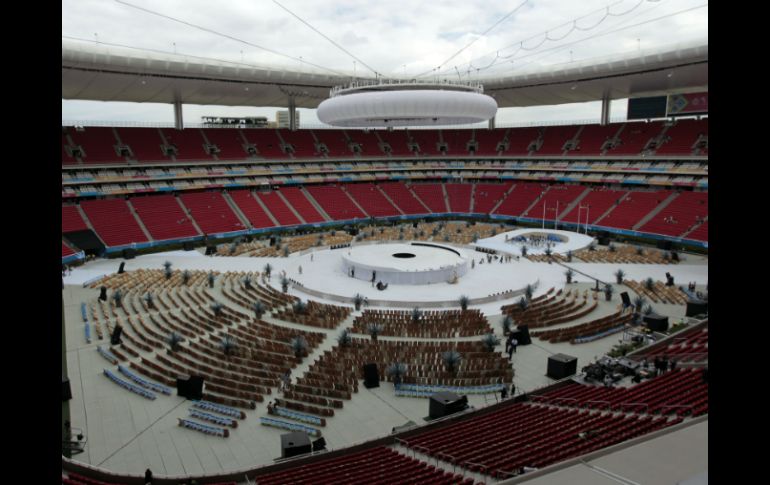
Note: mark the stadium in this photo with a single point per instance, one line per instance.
(410, 276)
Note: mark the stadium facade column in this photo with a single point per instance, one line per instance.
(292, 114)
(178, 123)
(606, 101)
(492, 122)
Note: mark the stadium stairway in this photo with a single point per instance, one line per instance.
(444, 465)
(427, 209)
(446, 198)
(473, 198)
(387, 197)
(236, 210)
(694, 228)
(534, 202)
(264, 208)
(353, 200)
(139, 221)
(655, 211)
(291, 207)
(88, 223)
(315, 204)
(502, 199)
(187, 213)
(574, 203)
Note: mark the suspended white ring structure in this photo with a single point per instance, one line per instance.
(386, 104)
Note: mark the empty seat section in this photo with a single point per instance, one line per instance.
(336, 142)
(368, 142)
(596, 203)
(558, 196)
(403, 198)
(277, 207)
(519, 140)
(145, 143)
(459, 197)
(66, 250)
(488, 140)
(633, 208)
(592, 138)
(397, 140)
(211, 212)
(427, 140)
(679, 216)
(267, 142)
(251, 208)
(229, 141)
(681, 137)
(163, 217)
(98, 145)
(335, 202)
(635, 136)
(554, 139)
(371, 200)
(66, 158)
(432, 195)
(701, 233)
(302, 141)
(457, 141)
(189, 143)
(522, 195)
(113, 221)
(296, 197)
(71, 219)
(487, 195)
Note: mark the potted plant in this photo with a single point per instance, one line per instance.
(343, 339)
(374, 329)
(608, 290)
(416, 315)
(464, 301)
(507, 324)
(490, 341)
(259, 309)
(648, 310)
(217, 308)
(523, 304)
(228, 345)
(211, 279)
(452, 360)
(529, 290)
(174, 340)
(167, 269)
(569, 256)
(298, 346)
(185, 277)
(358, 300)
(117, 297)
(524, 251)
(619, 274)
(396, 372)
(149, 300)
(569, 274)
(285, 284)
(247, 282)
(639, 302)
(611, 247)
(268, 269)
(300, 307)
(649, 284)
(639, 251)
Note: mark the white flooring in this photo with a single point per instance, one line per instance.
(127, 433)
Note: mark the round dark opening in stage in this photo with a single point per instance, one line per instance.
(403, 255)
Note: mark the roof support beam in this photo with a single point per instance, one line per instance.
(292, 114)
(178, 123)
(606, 101)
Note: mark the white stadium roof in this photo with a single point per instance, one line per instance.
(104, 72)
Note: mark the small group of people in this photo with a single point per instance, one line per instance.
(66, 271)
(670, 220)
(660, 364)
(504, 391)
(691, 286)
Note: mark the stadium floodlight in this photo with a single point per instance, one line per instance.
(389, 103)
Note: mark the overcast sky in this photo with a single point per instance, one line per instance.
(395, 38)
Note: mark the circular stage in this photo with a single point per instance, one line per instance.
(536, 241)
(413, 263)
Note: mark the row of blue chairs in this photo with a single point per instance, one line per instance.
(277, 423)
(581, 340)
(107, 354)
(204, 428)
(127, 385)
(144, 383)
(221, 409)
(297, 416)
(232, 423)
(422, 388)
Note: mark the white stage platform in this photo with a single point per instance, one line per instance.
(504, 243)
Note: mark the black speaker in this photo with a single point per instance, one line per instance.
(664, 245)
(445, 403)
(354, 231)
(414, 225)
(129, 253)
(121, 269)
(295, 443)
(116, 333)
(191, 388)
(523, 338)
(371, 376)
(696, 307)
(211, 250)
(656, 323)
(561, 366)
(188, 246)
(103, 293)
(603, 241)
(319, 444)
(626, 299)
(272, 240)
(66, 391)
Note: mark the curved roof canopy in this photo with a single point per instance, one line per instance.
(106, 73)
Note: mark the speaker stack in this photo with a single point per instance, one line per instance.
(371, 376)
(190, 388)
(561, 366)
(446, 403)
(295, 443)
